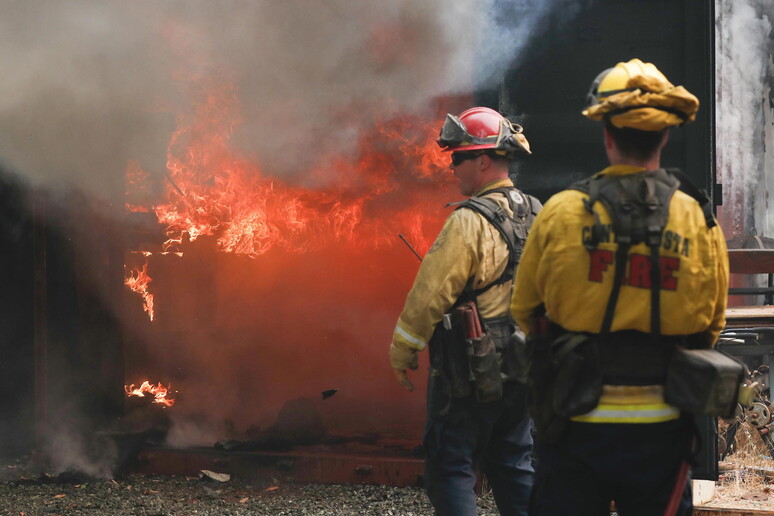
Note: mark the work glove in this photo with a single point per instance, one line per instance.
(401, 359)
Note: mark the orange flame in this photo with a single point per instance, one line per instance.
(389, 185)
(158, 391)
(138, 281)
(213, 191)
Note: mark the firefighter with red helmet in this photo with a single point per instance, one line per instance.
(458, 308)
(620, 272)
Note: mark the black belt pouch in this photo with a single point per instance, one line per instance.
(578, 378)
(516, 358)
(485, 367)
(449, 354)
(703, 382)
(549, 426)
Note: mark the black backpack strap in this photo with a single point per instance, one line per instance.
(654, 229)
(655, 293)
(687, 187)
(513, 230)
(496, 216)
(638, 205)
(534, 208)
(621, 255)
(591, 186)
(525, 207)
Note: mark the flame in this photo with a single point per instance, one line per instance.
(213, 191)
(158, 391)
(379, 191)
(138, 281)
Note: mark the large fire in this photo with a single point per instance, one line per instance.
(212, 191)
(285, 283)
(159, 392)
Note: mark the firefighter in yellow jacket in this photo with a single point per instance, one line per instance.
(477, 417)
(628, 445)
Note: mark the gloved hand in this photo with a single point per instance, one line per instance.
(401, 359)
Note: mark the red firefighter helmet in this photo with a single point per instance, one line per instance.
(481, 128)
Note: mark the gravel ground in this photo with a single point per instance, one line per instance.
(25, 494)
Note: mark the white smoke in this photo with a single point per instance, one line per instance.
(89, 85)
(768, 144)
(186, 431)
(744, 77)
(70, 449)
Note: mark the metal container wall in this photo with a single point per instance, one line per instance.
(547, 85)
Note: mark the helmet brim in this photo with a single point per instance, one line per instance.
(466, 148)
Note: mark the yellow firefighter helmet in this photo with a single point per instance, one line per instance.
(637, 95)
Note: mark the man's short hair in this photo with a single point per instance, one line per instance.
(634, 143)
(497, 158)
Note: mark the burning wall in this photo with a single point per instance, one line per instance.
(267, 290)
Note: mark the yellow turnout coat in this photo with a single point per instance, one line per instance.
(574, 285)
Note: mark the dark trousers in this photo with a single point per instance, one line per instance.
(634, 464)
(492, 437)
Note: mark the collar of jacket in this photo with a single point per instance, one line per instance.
(498, 183)
(619, 170)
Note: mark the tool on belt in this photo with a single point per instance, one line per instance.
(465, 355)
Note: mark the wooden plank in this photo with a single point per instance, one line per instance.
(748, 316)
(750, 312)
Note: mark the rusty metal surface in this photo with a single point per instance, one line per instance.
(751, 261)
(323, 468)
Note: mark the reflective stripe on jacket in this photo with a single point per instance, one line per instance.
(574, 285)
(467, 246)
(630, 404)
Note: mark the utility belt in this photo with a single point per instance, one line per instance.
(477, 356)
(569, 369)
(629, 357)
